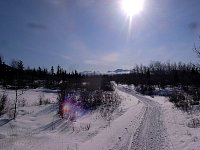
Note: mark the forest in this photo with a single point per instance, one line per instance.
(183, 78)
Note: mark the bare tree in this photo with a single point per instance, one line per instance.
(17, 94)
(3, 100)
(18, 65)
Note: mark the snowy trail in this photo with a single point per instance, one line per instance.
(137, 124)
(140, 128)
(118, 135)
(151, 133)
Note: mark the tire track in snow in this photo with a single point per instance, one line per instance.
(126, 137)
(151, 133)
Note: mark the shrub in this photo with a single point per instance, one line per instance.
(110, 102)
(47, 101)
(194, 123)
(107, 86)
(145, 89)
(3, 101)
(180, 100)
(85, 127)
(93, 94)
(91, 99)
(22, 102)
(41, 98)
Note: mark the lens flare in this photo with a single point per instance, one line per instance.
(71, 108)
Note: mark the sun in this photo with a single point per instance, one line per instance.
(132, 7)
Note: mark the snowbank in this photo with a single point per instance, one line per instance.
(176, 121)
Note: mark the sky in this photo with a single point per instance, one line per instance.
(97, 34)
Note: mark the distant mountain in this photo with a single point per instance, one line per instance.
(119, 71)
(89, 73)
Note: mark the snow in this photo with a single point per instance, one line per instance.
(176, 121)
(180, 135)
(118, 71)
(119, 129)
(135, 124)
(38, 127)
(31, 96)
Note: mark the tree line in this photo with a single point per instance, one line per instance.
(16, 74)
(162, 74)
(186, 76)
(157, 73)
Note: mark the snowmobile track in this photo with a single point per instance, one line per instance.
(151, 133)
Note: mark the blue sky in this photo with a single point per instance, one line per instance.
(95, 34)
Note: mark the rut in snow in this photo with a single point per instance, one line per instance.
(151, 133)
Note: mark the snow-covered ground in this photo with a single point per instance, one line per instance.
(151, 133)
(140, 122)
(181, 135)
(119, 132)
(31, 96)
(38, 127)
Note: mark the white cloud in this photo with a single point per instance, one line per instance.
(66, 57)
(110, 58)
(106, 59)
(79, 46)
(91, 62)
